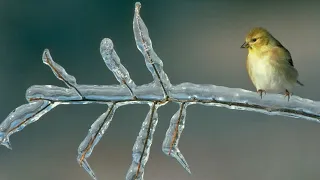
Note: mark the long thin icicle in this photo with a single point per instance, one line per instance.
(98, 128)
(171, 141)
(112, 61)
(141, 148)
(59, 71)
(21, 117)
(144, 44)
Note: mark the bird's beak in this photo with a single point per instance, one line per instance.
(244, 45)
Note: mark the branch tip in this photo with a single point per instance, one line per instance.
(137, 7)
(7, 144)
(107, 43)
(92, 139)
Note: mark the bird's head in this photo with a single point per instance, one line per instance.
(259, 38)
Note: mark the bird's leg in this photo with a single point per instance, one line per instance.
(287, 93)
(260, 91)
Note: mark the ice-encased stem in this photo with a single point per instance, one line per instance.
(98, 128)
(141, 148)
(210, 95)
(21, 117)
(144, 44)
(171, 141)
(113, 62)
(59, 71)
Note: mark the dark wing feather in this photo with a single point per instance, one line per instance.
(291, 62)
(288, 56)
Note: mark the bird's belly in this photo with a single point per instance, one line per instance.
(266, 77)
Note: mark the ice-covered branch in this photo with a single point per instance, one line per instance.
(59, 71)
(211, 95)
(170, 143)
(95, 133)
(42, 98)
(112, 61)
(144, 44)
(141, 148)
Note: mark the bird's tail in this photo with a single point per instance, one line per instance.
(300, 83)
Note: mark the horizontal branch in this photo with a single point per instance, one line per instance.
(211, 95)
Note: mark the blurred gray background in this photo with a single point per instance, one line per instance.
(199, 41)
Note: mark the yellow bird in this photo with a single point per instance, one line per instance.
(269, 63)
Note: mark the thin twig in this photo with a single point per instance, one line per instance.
(149, 57)
(174, 137)
(213, 102)
(161, 83)
(61, 77)
(110, 109)
(27, 119)
(129, 88)
(146, 139)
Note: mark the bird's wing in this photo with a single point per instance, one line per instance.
(280, 53)
(291, 62)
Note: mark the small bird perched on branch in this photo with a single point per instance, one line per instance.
(269, 63)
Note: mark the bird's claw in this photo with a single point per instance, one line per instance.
(260, 91)
(287, 93)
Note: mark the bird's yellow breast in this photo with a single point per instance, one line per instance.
(267, 74)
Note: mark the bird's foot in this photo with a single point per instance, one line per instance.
(260, 91)
(287, 93)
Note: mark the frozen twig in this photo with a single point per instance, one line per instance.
(170, 143)
(59, 71)
(112, 61)
(141, 148)
(144, 44)
(21, 117)
(95, 133)
(42, 98)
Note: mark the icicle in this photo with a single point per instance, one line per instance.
(141, 148)
(144, 44)
(171, 141)
(21, 117)
(112, 61)
(98, 128)
(59, 71)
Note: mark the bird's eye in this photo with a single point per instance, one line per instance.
(254, 40)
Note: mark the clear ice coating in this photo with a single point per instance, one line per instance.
(58, 70)
(113, 62)
(98, 128)
(141, 148)
(171, 141)
(241, 99)
(93, 93)
(21, 117)
(144, 44)
(52, 93)
(210, 95)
